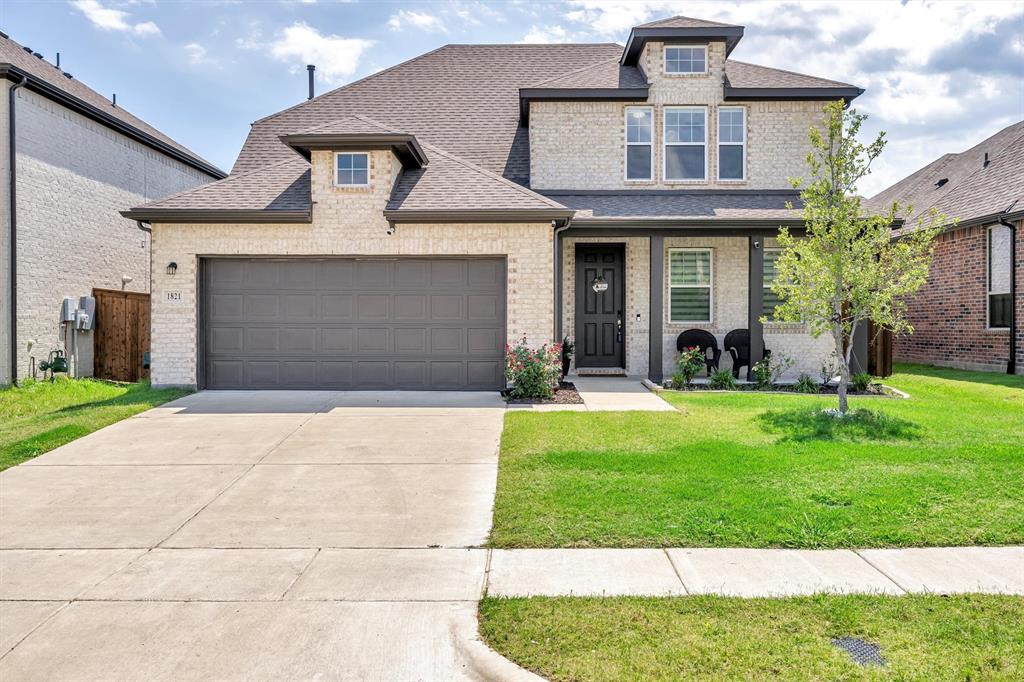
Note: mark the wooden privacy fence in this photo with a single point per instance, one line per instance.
(879, 351)
(121, 335)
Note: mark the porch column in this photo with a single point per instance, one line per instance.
(755, 302)
(556, 253)
(657, 312)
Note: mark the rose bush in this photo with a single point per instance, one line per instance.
(533, 373)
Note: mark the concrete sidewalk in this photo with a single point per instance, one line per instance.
(606, 394)
(754, 572)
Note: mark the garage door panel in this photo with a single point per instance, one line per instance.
(346, 323)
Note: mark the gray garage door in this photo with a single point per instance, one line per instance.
(354, 323)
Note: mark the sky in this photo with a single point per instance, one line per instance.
(940, 76)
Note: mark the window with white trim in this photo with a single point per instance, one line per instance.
(686, 143)
(732, 143)
(639, 143)
(352, 170)
(999, 301)
(686, 59)
(689, 281)
(770, 272)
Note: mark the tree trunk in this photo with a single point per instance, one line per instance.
(844, 364)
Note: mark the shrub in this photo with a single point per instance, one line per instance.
(829, 369)
(678, 381)
(805, 384)
(533, 373)
(722, 380)
(767, 372)
(860, 382)
(690, 362)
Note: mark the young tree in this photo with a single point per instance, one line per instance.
(847, 270)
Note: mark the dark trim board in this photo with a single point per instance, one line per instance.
(213, 215)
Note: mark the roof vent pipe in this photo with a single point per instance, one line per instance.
(985, 163)
(311, 68)
(113, 100)
(58, 60)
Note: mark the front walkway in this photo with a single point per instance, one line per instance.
(256, 535)
(754, 572)
(607, 394)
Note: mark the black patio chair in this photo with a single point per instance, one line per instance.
(703, 340)
(737, 342)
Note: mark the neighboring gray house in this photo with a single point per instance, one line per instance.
(71, 159)
(398, 231)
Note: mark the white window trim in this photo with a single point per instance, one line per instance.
(988, 281)
(710, 286)
(664, 62)
(666, 143)
(743, 144)
(365, 184)
(628, 144)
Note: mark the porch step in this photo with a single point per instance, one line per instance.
(600, 372)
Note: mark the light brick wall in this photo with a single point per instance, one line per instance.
(638, 296)
(346, 221)
(581, 145)
(73, 176)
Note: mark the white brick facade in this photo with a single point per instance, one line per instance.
(346, 221)
(73, 176)
(580, 145)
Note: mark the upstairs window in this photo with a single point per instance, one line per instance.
(686, 143)
(689, 285)
(639, 152)
(352, 170)
(999, 301)
(770, 272)
(686, 59)
(732, 143)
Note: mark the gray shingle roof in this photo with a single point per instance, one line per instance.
(972, 190)
(13, 54)
(744, 75)
(680, 21)
(680, 205)
(606, 74)
(449, 184)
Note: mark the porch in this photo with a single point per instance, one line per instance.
(627, 293)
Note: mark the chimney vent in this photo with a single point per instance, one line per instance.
(310, 68)
(113, 100)
(58, 60)
(985, 163)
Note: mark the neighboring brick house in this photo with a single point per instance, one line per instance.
(968, 315)
(77, 160)
(398, 231)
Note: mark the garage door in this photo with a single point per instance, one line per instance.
(354, 323)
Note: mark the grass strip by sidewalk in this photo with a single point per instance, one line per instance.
(945, 467)
(967, 637)
(40, 416)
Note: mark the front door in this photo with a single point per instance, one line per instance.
(600, 305)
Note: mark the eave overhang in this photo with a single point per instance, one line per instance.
(777, 94)
(208, 215)
(639, 37)
(477, 215)
(405, 146)
(14, 74)
(527, 95)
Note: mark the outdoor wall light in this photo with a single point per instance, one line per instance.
(172, 268)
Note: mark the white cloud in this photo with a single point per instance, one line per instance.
(420, 20)
(196, 54)
(336, 58)
(546, 34)
(108, 19)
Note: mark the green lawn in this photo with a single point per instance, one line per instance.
(40, 416)
(764, 470)
(969, 637)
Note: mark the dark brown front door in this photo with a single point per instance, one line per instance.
(600, 305)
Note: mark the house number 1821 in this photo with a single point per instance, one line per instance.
(172, 296)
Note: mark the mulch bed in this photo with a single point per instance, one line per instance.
(565, 394)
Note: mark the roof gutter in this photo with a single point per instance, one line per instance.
(477, 215)
(776, 94)
(203, 215)
(13, 73)
(12, 198)
(1011, 363)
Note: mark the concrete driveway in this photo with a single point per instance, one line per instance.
(255, 535)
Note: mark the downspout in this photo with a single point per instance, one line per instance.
(149, 278)
(557, 263)
(13, 208)
(1011, 364)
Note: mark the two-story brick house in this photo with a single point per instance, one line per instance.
(397, 231)
(70, 160)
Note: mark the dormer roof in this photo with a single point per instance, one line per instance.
(679, 28)
(358, 133)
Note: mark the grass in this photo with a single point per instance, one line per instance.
(40, 416)
(767, 470)
(967, 637)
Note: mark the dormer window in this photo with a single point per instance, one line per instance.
(351, 170)
(686, 59)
